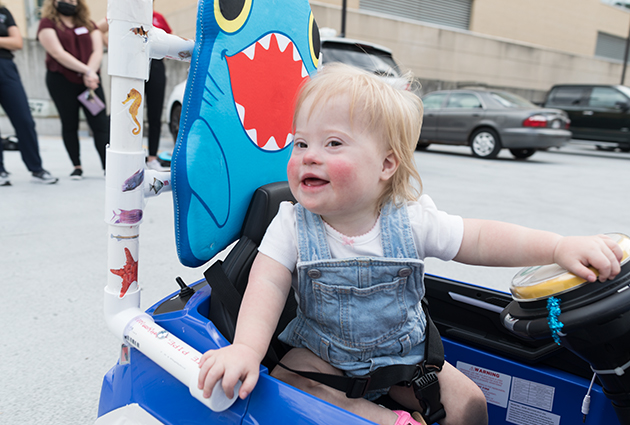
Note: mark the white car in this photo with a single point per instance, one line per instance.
(362, 54)
(175, 101)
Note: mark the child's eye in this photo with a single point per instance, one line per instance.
(300, 144)
(334, 143)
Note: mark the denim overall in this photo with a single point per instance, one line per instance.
(359, 314)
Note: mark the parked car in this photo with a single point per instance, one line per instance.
(597, 112)
(489, 120)
(175, 101)
(362, 54)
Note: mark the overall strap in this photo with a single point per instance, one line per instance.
(311, 236)
(396, 233)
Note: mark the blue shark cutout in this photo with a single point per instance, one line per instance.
(250, 58)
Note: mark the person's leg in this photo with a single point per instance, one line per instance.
(2, 170)
(64, 95)
(304, 360)
(463, 401)
(99, 124)
(14, 102)
(154, 94)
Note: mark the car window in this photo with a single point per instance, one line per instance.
(510, 100)
(565, 96)
(463, 100)
(606, 97)
(433, 101)
(361, 56)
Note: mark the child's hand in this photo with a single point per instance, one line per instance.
(231, 363)
(577, 253)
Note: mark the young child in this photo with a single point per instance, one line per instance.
(356, 243)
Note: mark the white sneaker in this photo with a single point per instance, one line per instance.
(44, 177)
(155, 165)
(4, 179)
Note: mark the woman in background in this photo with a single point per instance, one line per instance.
(15, 104)
(74, 50)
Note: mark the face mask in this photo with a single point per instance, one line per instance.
(66, 9)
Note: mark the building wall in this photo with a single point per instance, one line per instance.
(441, 56)
(557, 43)
(567, 25)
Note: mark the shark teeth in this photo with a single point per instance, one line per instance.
(270, 144)
(283, 42)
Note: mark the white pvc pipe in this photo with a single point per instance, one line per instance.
(132, 43)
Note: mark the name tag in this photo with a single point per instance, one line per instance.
(80, 31)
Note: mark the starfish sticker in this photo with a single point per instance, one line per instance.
(129, 273)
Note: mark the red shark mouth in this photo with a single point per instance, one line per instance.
(265, 78)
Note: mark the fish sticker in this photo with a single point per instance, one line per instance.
(134, 181)
(127, 216)
(136, 101)
(157, 185)
(249, 61)
(141, 32)
(128, 273)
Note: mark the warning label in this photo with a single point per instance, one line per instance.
(532, 393)
(524, 415)
(495, 385)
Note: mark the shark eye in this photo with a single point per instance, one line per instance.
(231, 14)
(313, 38)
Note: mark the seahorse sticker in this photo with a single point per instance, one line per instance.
(136, 98)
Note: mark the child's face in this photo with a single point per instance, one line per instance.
(338, 169)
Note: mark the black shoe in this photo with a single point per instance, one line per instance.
(44, 177)
(77, 174)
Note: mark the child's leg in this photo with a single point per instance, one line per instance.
(302, 359)
(463, 401)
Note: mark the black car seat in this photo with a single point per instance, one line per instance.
(228, 278)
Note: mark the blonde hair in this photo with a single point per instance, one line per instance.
(81, 19)
(393, 113)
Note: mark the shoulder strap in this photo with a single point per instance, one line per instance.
(223, 288)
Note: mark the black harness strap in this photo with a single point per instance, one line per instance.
(422, 377)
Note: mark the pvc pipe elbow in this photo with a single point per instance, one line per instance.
(120, 312)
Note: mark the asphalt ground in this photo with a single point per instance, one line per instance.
(54, 345)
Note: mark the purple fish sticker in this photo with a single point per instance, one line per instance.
(134, 181)
(127, 216)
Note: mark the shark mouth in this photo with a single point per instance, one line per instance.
(265, 79)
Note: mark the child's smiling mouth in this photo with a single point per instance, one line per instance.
(314, 182)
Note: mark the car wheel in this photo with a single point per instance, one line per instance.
(422, 146)
(522, 153)
(173, 124)
(485, 143)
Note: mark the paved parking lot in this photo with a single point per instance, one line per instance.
(55, 348)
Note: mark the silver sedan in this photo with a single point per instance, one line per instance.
(489, 120)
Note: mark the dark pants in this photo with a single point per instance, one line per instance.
(154, 90)
(64, 94)
(15, 104)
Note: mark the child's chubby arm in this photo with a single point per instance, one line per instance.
(265, 296)
(493, 243)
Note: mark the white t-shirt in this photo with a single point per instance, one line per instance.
(436, 234)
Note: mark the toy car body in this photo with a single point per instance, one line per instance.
(527, 379)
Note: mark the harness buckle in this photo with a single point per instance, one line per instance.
(426, 388)
(358, 387)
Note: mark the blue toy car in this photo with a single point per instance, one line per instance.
(534, 362)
